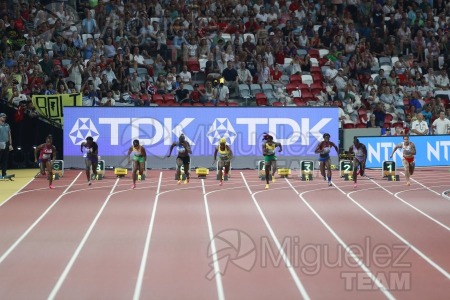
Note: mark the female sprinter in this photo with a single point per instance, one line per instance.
(324, 148)
(44, 154)
(359, 160)
(139, 158)
(409, 150)
(270, 159)
(225, 156)
(91, 157)
(183, 158)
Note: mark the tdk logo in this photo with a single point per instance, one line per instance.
(83, 128)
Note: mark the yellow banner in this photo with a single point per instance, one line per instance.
(51, 106)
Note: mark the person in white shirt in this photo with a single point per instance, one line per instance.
(223, 93)
(244, 75)
(419, 127)
(75, 71)
(185, 75)
(441, 125)
(442, 81)
(108, 100)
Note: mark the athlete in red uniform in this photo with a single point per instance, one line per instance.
(44, 154)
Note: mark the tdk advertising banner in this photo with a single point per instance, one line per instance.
(297, 129)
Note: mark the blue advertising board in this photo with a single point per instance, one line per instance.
(431, 150)
(297, 129)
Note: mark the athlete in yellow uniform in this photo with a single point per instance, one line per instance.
(225, 156)
(270, 159)
(139, 158)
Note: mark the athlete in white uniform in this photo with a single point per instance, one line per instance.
(359, 160)
(409, 150)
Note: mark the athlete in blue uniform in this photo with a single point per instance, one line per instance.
(323, 149)
(90, 157)
(183, 158)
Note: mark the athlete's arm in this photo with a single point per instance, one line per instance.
(231, 152)
(36, 152)
(82, 145)
(393, 151)
(279, 146)
(188, 147)
(215, 153)
(318, 148)
(335, 147)
(144, 153)
(412, 149)
(171, 148)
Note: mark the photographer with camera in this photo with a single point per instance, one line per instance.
(5, 143)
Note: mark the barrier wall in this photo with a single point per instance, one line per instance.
(431, 150)
(297, 129)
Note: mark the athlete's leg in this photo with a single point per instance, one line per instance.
(135, 170)
(267, 171)
(88, 164)
(362, 168)
(412, 167)
(328, 168)
(406, 165)
(355, 169)
(179, 164)
(220, 166)
(274, 169)
(322, 170)
(48, 166)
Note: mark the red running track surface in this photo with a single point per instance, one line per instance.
(237, 241)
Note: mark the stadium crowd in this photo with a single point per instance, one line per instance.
(384, 63)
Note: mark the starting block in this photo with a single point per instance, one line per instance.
(202, 172)
(100, 171)
(120, 172)
(348, 177)
(388, 171)
(8, 177)
(346, 168)
(393, 178)
(143, 176)
(306, 170)
(57, 169)
(284, 172)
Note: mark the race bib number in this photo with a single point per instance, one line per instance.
(46, 156)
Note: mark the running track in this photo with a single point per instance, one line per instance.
(297, 240)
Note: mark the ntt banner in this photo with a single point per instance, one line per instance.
(431, 150)
(297, 129)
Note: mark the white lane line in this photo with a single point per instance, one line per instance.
(75, 255)
(433, 191)
(32, 226)
(18, 192)
(217, 274)
(140, 277)
(397, 235)
(409, 204)
(285, 258)
(355, 257)
(420, 211)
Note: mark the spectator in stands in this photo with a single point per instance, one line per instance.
(244, 75)
(441, 125)
(443, 82)
(231, 78)
(419, 126)
(108, 100)
(186, 76)
(182, 94)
